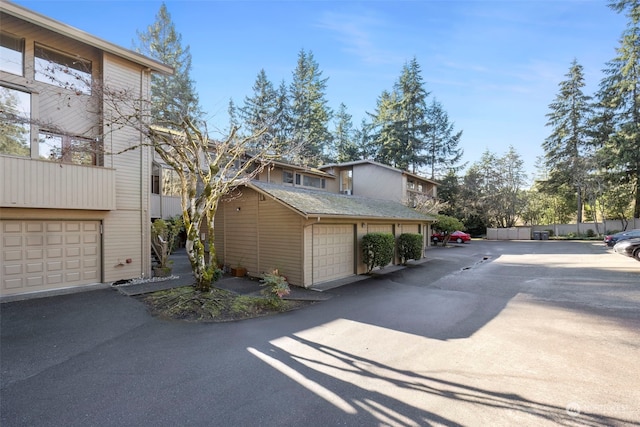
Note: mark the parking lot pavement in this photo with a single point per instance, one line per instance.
(486, 333)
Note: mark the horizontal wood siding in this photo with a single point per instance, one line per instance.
(41, 184)
(280, 241)
(127, 230)
(123, 236)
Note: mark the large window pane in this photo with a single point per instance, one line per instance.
(62, 70)
(78, 151)
(49, 146)
(11, 54)
(15, 115)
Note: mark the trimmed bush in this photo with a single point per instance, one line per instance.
(377, 249)
(410, 246)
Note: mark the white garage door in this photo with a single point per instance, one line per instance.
(43, 255)
(333, 251)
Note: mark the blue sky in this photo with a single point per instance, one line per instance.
(494, 65)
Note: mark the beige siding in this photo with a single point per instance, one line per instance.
(165, 206)
(377, 182)
(127, 230)
(241, 233)
(219, 237)
(280, 241)
(408, 228)
(41, 184)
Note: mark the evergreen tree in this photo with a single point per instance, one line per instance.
(619, 94)
(173, 97)
(565, 149)
(310, 114)
(386, 128)
(344, 137)
(282, 125)
(234, 121)
(412, 98)
(14, 126)
(399, 122)
(364, 142)
(259, 111)
(441, 143)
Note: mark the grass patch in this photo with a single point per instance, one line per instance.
(219, 305)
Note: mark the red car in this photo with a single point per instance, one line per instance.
(456, 236)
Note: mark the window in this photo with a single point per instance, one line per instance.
(287, 177)
(312, 181)
(155, 179)
(62, 70)
(67, 149)
(170, 183)
(346, 181)
(411, 185)
(11, 54)
(15, 115)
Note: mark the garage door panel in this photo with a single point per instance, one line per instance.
(41, 255)
(333, 252)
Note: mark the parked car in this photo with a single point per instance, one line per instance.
(457, 236)
(612, 239)
(628, 247)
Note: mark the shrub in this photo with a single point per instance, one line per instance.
(377, 249)
(410, 246)
(590, 233)
(276, 284)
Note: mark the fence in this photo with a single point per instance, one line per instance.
(540, 232)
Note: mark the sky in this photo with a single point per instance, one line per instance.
(495, 66)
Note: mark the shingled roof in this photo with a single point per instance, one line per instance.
(314, 203)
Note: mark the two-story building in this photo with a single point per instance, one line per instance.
(72, 213)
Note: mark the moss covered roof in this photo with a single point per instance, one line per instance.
(312, 203)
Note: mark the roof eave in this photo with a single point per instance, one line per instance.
(77, 34)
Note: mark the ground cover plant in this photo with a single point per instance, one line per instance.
(218, 305)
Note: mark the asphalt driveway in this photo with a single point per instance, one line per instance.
(486, 333)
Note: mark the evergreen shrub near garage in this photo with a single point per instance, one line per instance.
(377, 249)
(410, 246)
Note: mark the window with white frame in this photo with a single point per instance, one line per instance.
(11, 54)
(63, 70)
(15, 118)
(287, 177)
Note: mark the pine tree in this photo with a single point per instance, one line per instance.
(310, 114)
(442, 152)
(173, 97)
(565, 149)
(619, 94)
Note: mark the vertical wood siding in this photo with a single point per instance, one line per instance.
(42, 184)
(280, 241)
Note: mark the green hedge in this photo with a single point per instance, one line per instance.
(377, 249)
(410, 246)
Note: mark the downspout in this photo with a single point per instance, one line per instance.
(143, 227)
